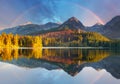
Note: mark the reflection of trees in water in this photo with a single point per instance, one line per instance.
(74, 56)
(31, 53)
(68, 56)
(37, 53)
(94, 55)
(8, 54)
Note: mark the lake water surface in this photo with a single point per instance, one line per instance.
(59, 66)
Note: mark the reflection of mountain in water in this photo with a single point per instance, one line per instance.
(111, 64)
(71, 61)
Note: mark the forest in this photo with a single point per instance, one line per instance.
(16, 41)
(58, 39)
(71, 38)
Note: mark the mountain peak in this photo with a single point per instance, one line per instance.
(97, 25)
(72, 23)
(73, 19)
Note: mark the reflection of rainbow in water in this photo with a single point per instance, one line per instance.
(20, 17)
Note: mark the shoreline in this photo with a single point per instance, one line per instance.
(74, 47)
(57, 48)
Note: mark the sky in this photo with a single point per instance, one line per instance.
(89, 12)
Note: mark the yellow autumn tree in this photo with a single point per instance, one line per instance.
(37, 42)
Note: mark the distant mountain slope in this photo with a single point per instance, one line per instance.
(71, 24)
(112, 28)
(30, 28)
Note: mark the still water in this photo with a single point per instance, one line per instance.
(59, 66)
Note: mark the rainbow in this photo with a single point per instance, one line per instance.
(79, 6)
(90, 12)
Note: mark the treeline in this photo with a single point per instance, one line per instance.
(59, 39)
(15, 41)
(114, 44)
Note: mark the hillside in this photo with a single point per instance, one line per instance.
(74, 38)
